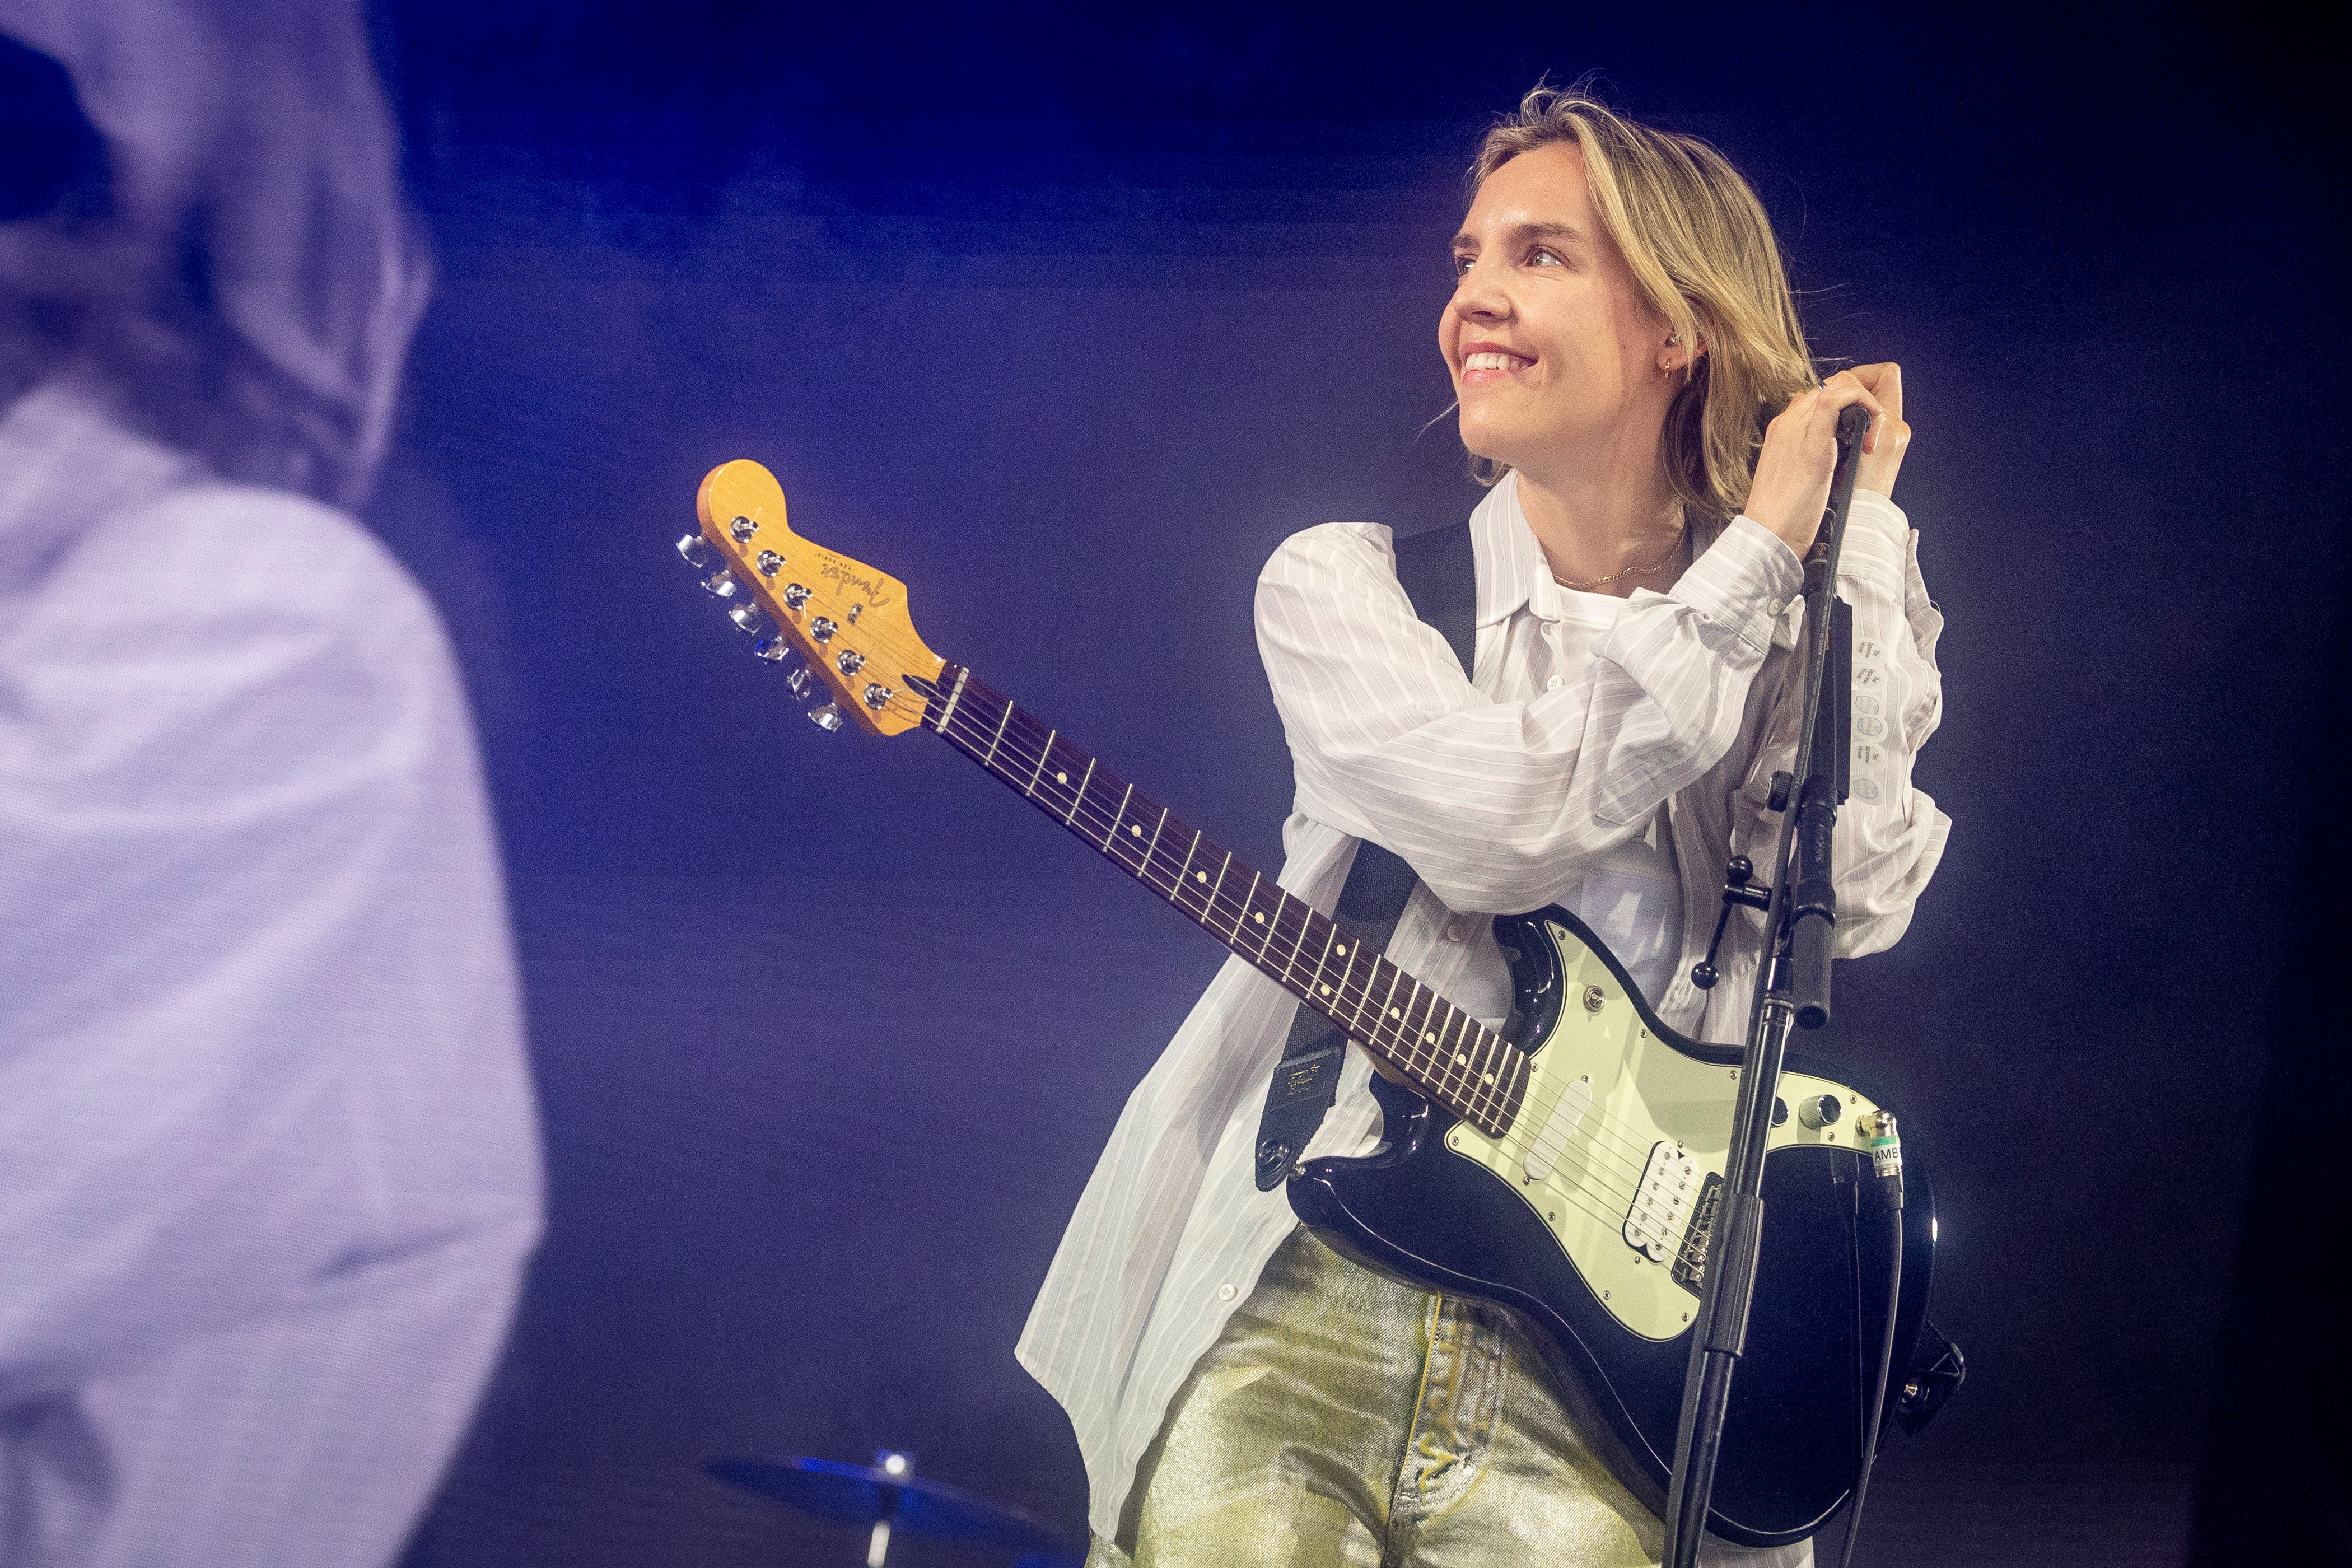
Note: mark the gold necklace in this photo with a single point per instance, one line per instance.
(1587, 586)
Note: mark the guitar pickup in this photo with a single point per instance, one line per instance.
(1690, 1260)
(1654, 1223)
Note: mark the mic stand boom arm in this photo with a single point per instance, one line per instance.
(1793, 986)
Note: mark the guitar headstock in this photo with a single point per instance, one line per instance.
(836, 627)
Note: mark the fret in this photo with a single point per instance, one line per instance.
(1315, 981)
(1045, 752)
(953, 698)
(985, 760)
(1447, 1048)
(1152, 849)
(1410, 1043)
(1239, 920)
(1282, 902)
(1078, 799)
(1380, 1019)
(1187, 865)
(1112, 831)
(1364, 992)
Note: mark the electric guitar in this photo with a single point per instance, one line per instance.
(1566, 1166)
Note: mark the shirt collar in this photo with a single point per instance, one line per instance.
(63, 463)
(1512, 571)
(1511, 562)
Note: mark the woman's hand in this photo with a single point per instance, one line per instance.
(1792, 488)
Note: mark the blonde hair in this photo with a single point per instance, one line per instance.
(1700, 248)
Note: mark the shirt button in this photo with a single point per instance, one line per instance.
(1225, 1292)
(1553, 684)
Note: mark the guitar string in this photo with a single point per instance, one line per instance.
(1633, 1149)
(1624, 1189)
(903, 704)
(1624, 1134)
(1622, 1186)
(1633, 1146)
(1101, 829)
(1103, 826)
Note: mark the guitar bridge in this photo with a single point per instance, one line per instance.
(1690, 1259)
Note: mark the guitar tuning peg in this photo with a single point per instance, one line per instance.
(695, 548)
(775, 648)
(722, 583)
(827, 718)
(748, 617)
(800, 682)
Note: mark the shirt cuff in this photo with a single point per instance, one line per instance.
(1743, 581)
(1878, 537)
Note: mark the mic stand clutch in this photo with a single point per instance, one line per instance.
(1792, 987)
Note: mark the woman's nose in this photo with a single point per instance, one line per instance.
(1478, 292)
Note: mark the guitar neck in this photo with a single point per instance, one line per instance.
(1443, 1052)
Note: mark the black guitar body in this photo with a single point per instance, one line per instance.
(1421, 1213)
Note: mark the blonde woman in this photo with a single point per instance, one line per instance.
(1631, 376)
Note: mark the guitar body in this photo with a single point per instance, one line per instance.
(1545, 1222)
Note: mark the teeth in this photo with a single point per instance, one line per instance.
(1495, 362)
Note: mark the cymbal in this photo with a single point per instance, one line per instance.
(860, 1494)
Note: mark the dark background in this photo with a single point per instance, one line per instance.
(1067, 319)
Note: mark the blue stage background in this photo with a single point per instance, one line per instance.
(1067, 322)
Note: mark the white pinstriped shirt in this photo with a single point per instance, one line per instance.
(269, 1168)
(1502, 791)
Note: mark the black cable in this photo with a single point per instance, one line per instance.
(1886, 1156)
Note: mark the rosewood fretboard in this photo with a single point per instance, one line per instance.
(1446, 1054)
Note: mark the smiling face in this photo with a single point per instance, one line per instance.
(1555, 355)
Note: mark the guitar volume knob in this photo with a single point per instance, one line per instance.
(1819, 1110)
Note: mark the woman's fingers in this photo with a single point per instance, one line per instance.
(1791, 484)
(1842, 390)
(1890, 438)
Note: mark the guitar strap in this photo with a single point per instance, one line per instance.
(1439, 573)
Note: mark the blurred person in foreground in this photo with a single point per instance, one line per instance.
(269, 1164)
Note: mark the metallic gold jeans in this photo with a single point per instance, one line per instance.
(1346, 1421)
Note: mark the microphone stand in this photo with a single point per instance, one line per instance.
(1792, 987)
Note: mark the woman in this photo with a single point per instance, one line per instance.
(1631, 376)
(268, 1168)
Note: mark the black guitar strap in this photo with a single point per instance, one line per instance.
(1438, 571)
